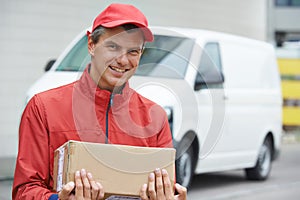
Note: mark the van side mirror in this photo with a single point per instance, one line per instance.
(209, 72)
(212, 77)
(49, 65)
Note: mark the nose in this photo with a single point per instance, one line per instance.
(123, 59)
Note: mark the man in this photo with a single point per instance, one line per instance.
(99, 107)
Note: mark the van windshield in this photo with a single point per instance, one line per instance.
(167, 57)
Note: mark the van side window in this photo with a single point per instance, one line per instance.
(166, 56)
(77, 59)
(210, 68)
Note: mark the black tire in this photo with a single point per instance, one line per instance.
(263, 165)
(185, 168)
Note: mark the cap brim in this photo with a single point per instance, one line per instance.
(146, 31)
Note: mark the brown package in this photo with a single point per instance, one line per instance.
(121, 169)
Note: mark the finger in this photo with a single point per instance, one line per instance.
(182, 191)
(79, 186)
(94, 187)
(143, 192)
(167, 185)
(86, 184)
(160, 194)
(66, 191)
(101, 191)
(151, 186)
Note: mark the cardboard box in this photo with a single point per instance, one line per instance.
(121, 169)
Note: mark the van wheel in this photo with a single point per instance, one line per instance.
(184, 168)
(263, 165)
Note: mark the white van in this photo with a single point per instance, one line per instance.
(221, 93)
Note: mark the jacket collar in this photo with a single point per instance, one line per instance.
(89, 88)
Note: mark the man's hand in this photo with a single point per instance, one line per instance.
(159, 187)
(85, 188)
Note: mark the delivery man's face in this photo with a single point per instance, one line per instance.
(115, 56)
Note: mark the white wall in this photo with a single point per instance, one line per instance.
(34, 31)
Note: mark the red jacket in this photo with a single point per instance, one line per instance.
(81, 111)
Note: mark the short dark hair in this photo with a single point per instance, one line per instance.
(101, 30)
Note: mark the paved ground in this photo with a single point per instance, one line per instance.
(284, 182)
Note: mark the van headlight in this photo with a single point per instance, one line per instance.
(169, 112)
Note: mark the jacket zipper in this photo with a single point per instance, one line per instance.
(110, 103)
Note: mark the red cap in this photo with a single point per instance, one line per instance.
(118, 14)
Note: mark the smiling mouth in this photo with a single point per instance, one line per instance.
(118, 69)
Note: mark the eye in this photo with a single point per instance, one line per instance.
(134, 52)
(112, 46)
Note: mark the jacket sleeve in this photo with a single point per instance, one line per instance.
(32, 172)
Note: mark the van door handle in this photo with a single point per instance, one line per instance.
(225, 97)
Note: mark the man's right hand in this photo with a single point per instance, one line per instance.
(85, 188)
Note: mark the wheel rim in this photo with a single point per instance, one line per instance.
(265, 160)
(185, 169)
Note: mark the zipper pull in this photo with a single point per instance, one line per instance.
(111, 100)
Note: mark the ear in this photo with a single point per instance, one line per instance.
(91, 46)
(143, 48)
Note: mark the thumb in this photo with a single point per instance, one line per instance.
(180, 189)
(66, 190)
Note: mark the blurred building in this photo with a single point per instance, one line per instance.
(286, 25)
(286, 32)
